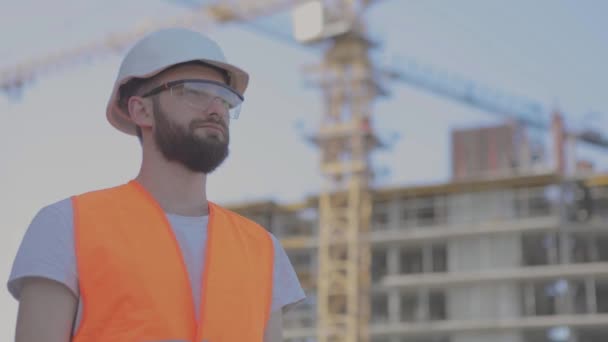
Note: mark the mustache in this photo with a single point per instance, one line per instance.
(199, 122)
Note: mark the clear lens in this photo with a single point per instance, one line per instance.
(201, 95)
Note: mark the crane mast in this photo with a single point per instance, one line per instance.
(346, 141)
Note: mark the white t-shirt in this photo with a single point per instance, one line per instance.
(47, 250)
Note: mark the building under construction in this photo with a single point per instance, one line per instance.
(504, 260)
(507, 251)
(502, 253)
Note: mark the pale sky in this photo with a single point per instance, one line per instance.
(55, 140)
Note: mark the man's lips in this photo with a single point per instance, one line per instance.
(212, 126)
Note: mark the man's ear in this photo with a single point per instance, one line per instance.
(140, 111)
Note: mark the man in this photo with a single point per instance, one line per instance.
(153, 259)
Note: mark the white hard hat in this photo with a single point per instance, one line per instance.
(162, 49)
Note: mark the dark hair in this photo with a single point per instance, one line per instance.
(134, 85)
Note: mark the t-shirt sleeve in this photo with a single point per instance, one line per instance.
(47, 249)
(287, 290)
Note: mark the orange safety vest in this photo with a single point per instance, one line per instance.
(134, 284)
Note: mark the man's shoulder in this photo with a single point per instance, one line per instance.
(100, 191)
(64, 206)
(61, 207)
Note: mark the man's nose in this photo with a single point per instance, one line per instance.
(217, 107)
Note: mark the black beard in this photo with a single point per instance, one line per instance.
(178, 144)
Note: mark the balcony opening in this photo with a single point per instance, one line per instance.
(379, 308)
(410, 261)
(601, 294)
(379, 264)
(437, 306)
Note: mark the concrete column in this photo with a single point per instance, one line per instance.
(590, 295)
(392, 260)
(529, 300)
(423, 308)
(427, 258)
(394, 297)
(394, 306)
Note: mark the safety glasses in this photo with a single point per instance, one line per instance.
(200, 94)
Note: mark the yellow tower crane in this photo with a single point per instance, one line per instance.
(346, 140)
